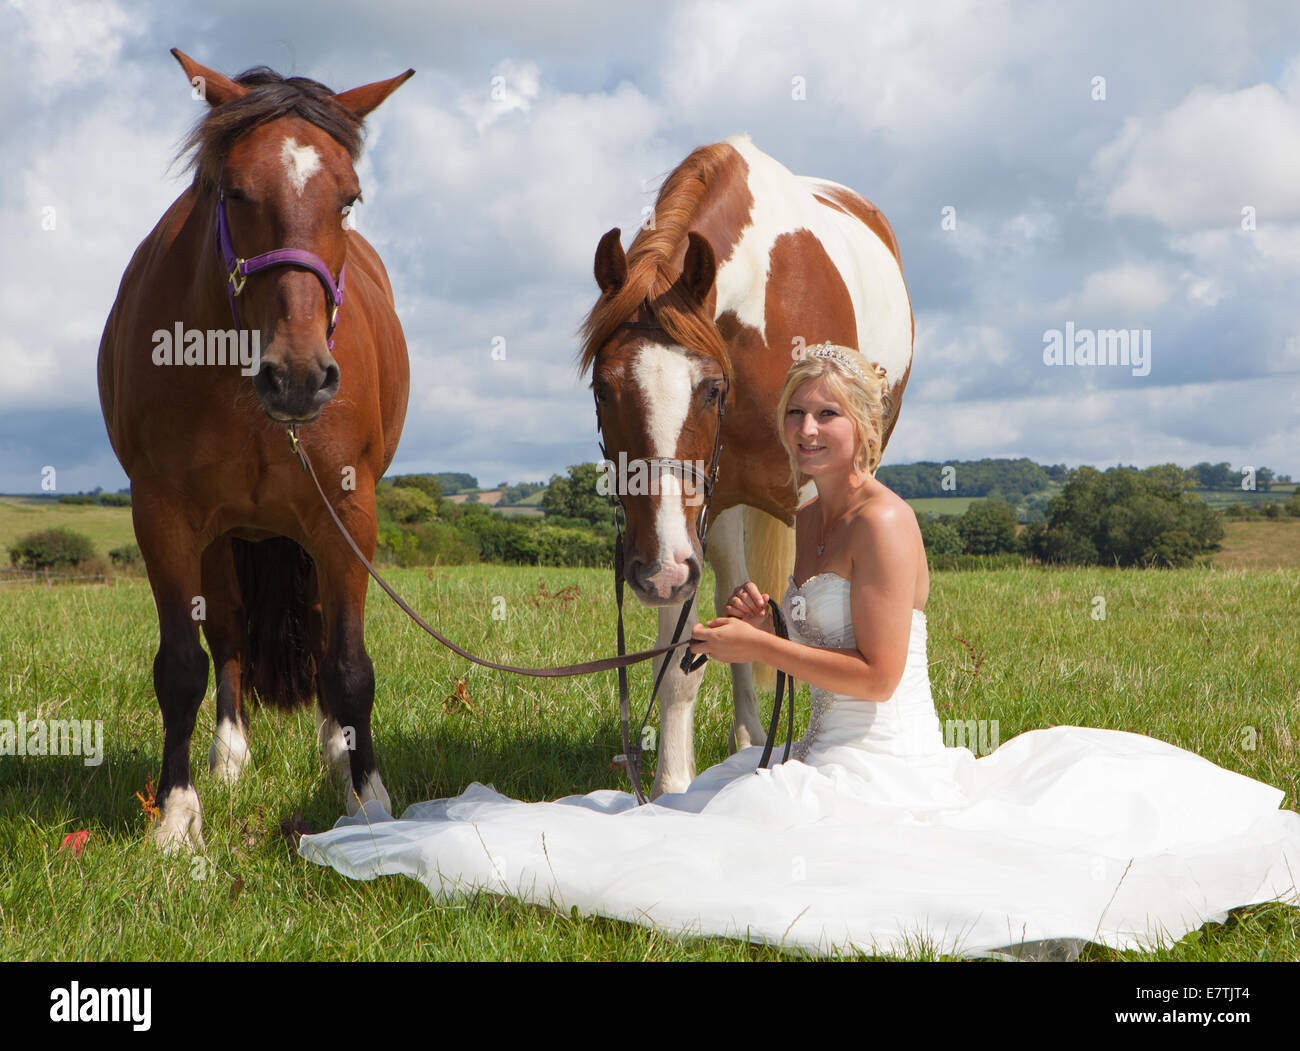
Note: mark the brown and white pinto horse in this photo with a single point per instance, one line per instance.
(233, 533)
(743, 265)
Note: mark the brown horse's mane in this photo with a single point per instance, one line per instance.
(649, 276)
(271, 97)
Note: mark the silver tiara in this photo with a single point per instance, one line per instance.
(830, 350)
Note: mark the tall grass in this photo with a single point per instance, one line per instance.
(1202, 658)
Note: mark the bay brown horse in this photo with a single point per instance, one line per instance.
(199, 379)
(742, 266)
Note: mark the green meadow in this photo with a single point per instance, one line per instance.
(1204, 658)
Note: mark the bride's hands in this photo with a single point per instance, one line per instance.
(728, 639)
(737, 636)
(747, 603)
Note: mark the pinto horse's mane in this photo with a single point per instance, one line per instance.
(649, 273)
(270, 97)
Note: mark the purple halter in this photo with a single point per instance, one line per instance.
(237, 269)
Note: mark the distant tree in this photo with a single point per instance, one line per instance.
(575, 495)
(1124, 517)
(1215, 476)
(426, 483)
(513, 494)
(939, 538)
(453, 482)
(127, 555)
(406, 504)
(987, 527)
(50, 549)
(1171, 476)
(1011, 478)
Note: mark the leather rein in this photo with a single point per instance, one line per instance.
(633, 746)
(237, 271)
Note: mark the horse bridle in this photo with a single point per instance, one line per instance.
(630, 758)
(237, 269)
(631, 755)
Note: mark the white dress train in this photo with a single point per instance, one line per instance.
(874, 836)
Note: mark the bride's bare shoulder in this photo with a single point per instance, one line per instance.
(886, 519)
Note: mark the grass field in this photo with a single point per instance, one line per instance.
(941, 505)
(107, 527)
(1253, 544)
(1260, 544)
(1203, 658)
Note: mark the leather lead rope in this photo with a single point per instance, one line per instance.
(630, 757)
(586, 668)
(782, 679)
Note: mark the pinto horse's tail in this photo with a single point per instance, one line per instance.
(274, 580)
(769, 557)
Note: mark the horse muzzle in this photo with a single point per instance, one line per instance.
(296, 393)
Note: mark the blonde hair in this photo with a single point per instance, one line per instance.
(864, 395)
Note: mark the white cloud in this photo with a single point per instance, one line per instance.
(487, 210)
(1121, 292)
(1201, 162)
(71, 42)
(513, 87)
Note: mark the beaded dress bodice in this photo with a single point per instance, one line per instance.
(818, 614)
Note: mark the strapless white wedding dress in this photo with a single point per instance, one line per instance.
(874, 837)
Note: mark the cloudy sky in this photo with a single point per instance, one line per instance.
(1164, 197)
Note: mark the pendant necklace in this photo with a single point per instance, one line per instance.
(821, 547)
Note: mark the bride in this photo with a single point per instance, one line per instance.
(873, 837)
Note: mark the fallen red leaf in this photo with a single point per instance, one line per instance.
(75, 841)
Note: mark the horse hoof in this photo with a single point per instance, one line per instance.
(229, 753)
(181, 827)
(372, 788)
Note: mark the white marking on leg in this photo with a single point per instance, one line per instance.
(333, 743)
(300, 163)
(667, 379)
(727, 557)
(371, 788)
(181, 826)
(675, 768)
(229, 752)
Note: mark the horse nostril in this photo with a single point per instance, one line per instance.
(331, 383)
(269, 380)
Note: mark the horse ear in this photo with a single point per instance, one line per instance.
(365, 99)
(213, 87)
(700, 266)
(611, 263)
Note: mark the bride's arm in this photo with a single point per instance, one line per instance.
(882, 590)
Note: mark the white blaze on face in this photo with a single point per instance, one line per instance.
(667, 379)
(300, 163)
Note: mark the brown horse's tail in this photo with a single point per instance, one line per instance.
(274, 578)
